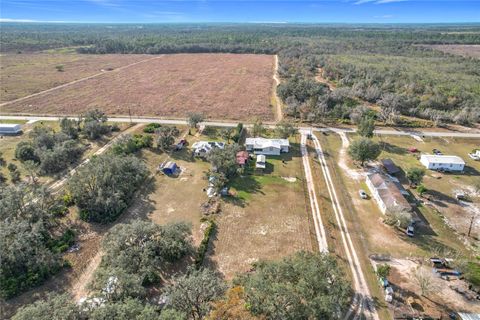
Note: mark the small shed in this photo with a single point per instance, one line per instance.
(10, 128)
(261, 162)
(242, 158)
(390, 166)
(170, 168)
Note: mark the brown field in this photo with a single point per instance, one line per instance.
(465, 50)
(25, 74)
(218, 85)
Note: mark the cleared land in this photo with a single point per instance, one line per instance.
(465, 50)
(25, 74)
(222, 86)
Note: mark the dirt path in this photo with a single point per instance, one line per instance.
(352, 173)
(279, 113)
(312, 195)
(362, 306)
(79, 288)
(321, 79)
(75, 81)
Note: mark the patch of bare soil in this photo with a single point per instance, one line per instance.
(233, 86)
(439, 301)
(465, 50)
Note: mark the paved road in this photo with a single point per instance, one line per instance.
(363, 307)
(312, 195)
(270, 125)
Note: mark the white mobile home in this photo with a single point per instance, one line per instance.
(9, 128)
(387, 193)
(267, 146)
(440, 162)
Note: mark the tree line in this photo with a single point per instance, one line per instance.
(382, 64)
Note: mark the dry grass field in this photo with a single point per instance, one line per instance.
(466, 50)
(25, 74)
(217, 85)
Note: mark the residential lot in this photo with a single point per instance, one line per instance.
(435, 235)
(264, 218)
(223, 86)
(27, 73)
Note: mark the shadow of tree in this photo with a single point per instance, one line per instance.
(391, 148)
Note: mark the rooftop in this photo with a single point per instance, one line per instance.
(264, 143)
(442, 159)
(9, 125)
(389, 191)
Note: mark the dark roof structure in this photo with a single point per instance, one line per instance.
(390, 166)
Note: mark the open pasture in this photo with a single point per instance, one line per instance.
(465, 50)
(230, 86)
(25, 74)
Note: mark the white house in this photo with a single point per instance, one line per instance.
(387, 193)
(10, 128)
(267, 146)
(202, 148)
(441, 162)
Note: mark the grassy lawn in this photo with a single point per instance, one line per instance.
(266, 218)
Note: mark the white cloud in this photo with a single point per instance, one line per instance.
(31, 21)
(16, 20)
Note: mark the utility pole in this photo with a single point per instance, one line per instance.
(130, 115)
(471, 225)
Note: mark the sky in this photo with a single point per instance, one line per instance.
(263, 11)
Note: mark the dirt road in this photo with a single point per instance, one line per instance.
(279, 113)
(312, 195)
(363, 306)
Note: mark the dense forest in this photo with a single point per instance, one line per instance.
(387, 65)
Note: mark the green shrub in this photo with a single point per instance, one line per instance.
(151, 127)
(383, 270)
(67, 199)
(472, 273)
(59, 210)
(202, 249)
(63, 243)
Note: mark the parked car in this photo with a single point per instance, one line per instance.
(461, 196)
(180, 145)
(437, 152)
(363, 194)
(474, 156)
(410, 231)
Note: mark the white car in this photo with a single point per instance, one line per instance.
(410, 231)
(474, 156)
(363, 194)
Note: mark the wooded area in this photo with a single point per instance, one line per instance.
(382, 64)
